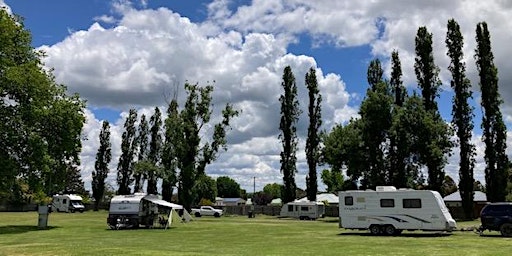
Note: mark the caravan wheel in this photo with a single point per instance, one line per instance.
(506, 229)
(375, 229)
(389, 230)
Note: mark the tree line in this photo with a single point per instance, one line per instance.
(400, 137)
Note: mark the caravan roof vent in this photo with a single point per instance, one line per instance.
(385, 188)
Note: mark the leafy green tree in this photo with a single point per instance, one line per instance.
(333, 180)
(227, 187)
(289, 116)
(274, 190)
(142, 142)
(343, 147)
(313, 139)
(193, 153)
(494, 129)
(205, 188)
(462, 114)
(103, 158)
(125, 166)
(261, 198)
(173, 131)
(436, 138)
(376, 121)
(155, 149)
(398, 152)
(40, 123)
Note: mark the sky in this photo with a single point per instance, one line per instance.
(122, 54)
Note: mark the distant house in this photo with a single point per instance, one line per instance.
(330, 198)
(229, 201)
(454, 203)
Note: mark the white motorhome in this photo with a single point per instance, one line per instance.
(303, 210)
(67, 203)
(131, 211)
(390, 211)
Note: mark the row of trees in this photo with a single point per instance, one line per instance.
(173, 151)
(40, 123)
(400, 135)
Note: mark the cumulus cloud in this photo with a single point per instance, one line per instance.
(148, 54)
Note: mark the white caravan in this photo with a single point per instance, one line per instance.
(304, 210)
(390, 211)
(67, 203)
(131, 211)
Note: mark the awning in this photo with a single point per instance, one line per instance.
(163, 203)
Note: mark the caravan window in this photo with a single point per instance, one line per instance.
(412, 203)
(64, 201)
(349, 200)
(290, 208)
(304, 208)
(387, 203)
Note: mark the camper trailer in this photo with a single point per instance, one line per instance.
(390, 211)
(303, 210)
(67, 203)
(131, 211)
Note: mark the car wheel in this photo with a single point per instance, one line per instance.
(506, 229)
(389, 230)
(197, 214)
(216, 215)
(375, 229)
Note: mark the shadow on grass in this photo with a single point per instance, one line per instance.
(18, 229)
(418, 235)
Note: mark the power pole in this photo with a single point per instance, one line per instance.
(254, 185)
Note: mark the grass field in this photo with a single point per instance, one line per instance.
(87, 234)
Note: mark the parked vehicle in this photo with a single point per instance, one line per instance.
(497, 217)
(206, 211)
(303, 210)
(132, 211)
(67, 203)
(390, 211)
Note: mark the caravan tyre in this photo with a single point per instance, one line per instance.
(389, 230)
(506, 229)
(375, 229)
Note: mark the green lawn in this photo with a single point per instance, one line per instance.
(87, 234)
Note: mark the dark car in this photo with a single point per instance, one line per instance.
(497, 217)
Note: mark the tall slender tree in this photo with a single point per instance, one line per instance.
(193, 153)
(126, 165)
(103, 158)
(436, 137)
(398, 153)
(142, 142)
(173, 131)
(155, 149)
(375, 114)
(494, 129)
(313, 139)
(462, 114)
(289, 116)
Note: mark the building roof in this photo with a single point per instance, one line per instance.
(455, 197)
(233, 200)
(329, 197)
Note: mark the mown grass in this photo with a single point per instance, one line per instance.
(88, 234)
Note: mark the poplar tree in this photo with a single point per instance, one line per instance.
(173, 131)
(103, 158)
(125, 166)
(289, 116)
(155, 149)
(313, 139)
(494, 129)
(398, 153)
(142, 142)
(462, 114)
(436, 138)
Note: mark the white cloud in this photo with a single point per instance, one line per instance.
(148, 53)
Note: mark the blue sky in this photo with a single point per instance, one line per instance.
(125, 54)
